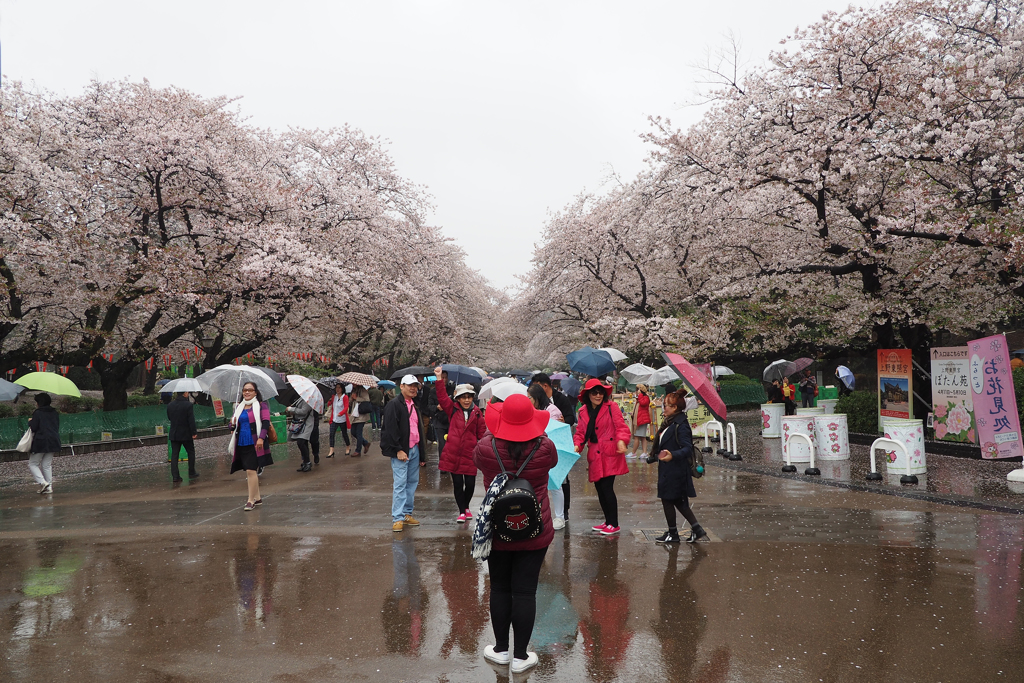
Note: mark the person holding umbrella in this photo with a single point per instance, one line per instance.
(45, 426)
(303, 425)
(602, 430)
(465, 428)
(182, 434)
(251, 423)
(673, 450)
(339, 418)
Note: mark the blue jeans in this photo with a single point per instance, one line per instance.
(407, 478)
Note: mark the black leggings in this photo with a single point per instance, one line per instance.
(684, 507)
(303, 445)
(463, 485)
(514, 576)
(565, 492)
(609, 503)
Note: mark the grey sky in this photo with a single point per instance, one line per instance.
(505, 111)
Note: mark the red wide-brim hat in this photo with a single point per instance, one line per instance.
(591, 383)
(516, 419)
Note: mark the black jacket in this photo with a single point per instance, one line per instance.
(566, 405)
(437, 414)
(183, 419)
(45, 423)
(394, 435)
(674, 478)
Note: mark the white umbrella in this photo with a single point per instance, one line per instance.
(190, 384)
(503, 387)
(777, 370)
(614, 353)
(307, 391)
(638, 373)
(721, 371)
(225, 382)
(665, 375)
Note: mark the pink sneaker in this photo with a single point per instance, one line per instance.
(609, 530)
(461, 518)
(599, 527)
(469, 515)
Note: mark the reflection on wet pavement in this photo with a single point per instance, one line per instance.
(151, 583)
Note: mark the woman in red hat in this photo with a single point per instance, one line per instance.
(516, 427)
(602, 429)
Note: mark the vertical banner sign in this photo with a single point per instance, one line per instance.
(995, 405)
(895, 384)
(218, 407)
(705, 369)
(952, 401)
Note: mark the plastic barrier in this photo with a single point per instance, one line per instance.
(875, 475)
(712, 426)
(810, 411)
(771, 420)
(828, 405)
(797, 424)
(832, 437)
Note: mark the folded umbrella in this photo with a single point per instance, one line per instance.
(776, 370)
(9, 390)
(561, 435)
(699, 384)
(590, 361)
(225, 382)
(308, 392)
(358, 379)
(189, 384)
(49, 382)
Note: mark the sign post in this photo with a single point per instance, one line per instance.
(952, 402)
(895, 384)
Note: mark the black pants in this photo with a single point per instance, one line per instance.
(439, 432)
(335, 426)
(683, 504)
(790, 406)
(514, 576)
(606, 497)
(463, 485)
(190, 450)
(314, 438)
(565, 492)
(807, 397)
(303, 445)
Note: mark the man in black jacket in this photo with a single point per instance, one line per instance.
(183, 433)
(438, 418)
(561, 401)
(401, 439)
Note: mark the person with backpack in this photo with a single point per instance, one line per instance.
(673, 451)
(601, 429)
(514, 528)
(465, 428)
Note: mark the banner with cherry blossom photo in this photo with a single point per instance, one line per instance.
(952, 405)
(995, 404)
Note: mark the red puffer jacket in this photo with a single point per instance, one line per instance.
(457, 456)
(603, 458)
(536, 473)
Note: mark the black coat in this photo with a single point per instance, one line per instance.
(566, 405)
(45, 425)
(674, 478)
(182, 416)
(394, 435)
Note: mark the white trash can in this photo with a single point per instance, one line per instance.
(828, 405)
(832, 436)
(910, 433)
(810, 411)
(797, 449)
(771, 420)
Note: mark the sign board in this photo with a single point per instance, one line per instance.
(995, 404)
(218, 407)
(895, 384)
(106, 436)
(952, 402)
(160, 430)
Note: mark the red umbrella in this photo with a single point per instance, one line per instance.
(798, 365)
(699, 384)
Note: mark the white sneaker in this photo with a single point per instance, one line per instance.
(42, 488)
(521, 665)
(49, 488)
(558, 523)
(496, 657)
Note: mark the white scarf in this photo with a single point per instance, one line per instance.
(255, 405)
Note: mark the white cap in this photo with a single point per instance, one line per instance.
(410, 379)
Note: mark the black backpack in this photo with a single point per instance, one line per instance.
(516, 512)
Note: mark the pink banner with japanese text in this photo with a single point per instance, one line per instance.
(995, 405)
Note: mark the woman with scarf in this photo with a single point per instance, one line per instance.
(465, 428)
(603, 431)
(251, 423)
(673, 450)
(516, 432)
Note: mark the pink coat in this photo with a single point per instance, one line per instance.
(603, 458)
(457, 456)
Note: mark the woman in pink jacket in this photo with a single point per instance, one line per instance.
(601, 428)
(465, 428)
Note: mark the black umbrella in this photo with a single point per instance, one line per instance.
(275, 377)
(412, 370)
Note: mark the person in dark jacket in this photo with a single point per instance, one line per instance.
(466, 428)
(45, 426)
(673, 448)
(516, 427)
(438, 417)
(182, 417)
(402, 439)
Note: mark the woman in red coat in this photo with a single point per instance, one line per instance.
(603, 431)
(514, 566)
(642, 428)
(465, 427)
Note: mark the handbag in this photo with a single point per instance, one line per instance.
(25, 444)
(271, 433)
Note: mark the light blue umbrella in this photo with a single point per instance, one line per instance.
(846, 375)
(561, 435)
(9, 390)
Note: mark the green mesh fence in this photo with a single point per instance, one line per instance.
(122, 424)
(736, 393)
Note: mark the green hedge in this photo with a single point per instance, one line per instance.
(861, 408)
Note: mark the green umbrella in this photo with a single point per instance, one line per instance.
(50, 382)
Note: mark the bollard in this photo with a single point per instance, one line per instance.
(707, 428)
(875, 475)
(790, 467)
(734, 456)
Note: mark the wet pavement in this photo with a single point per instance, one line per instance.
(122, 576)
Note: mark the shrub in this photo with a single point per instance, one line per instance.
(136, 400)
(26, 408)
(76, 404)
(1018, 390)
(735, 378)
(861, 408)
(6, 410)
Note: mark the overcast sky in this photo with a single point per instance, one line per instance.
(504, 110)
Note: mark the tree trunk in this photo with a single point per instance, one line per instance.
(114, 379)
(150, 385)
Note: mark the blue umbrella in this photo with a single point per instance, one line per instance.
(460, 374)
(571, 387)
(9, 390)
(561, 435)
(385, 384)
(846, 375)
(590, 361)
